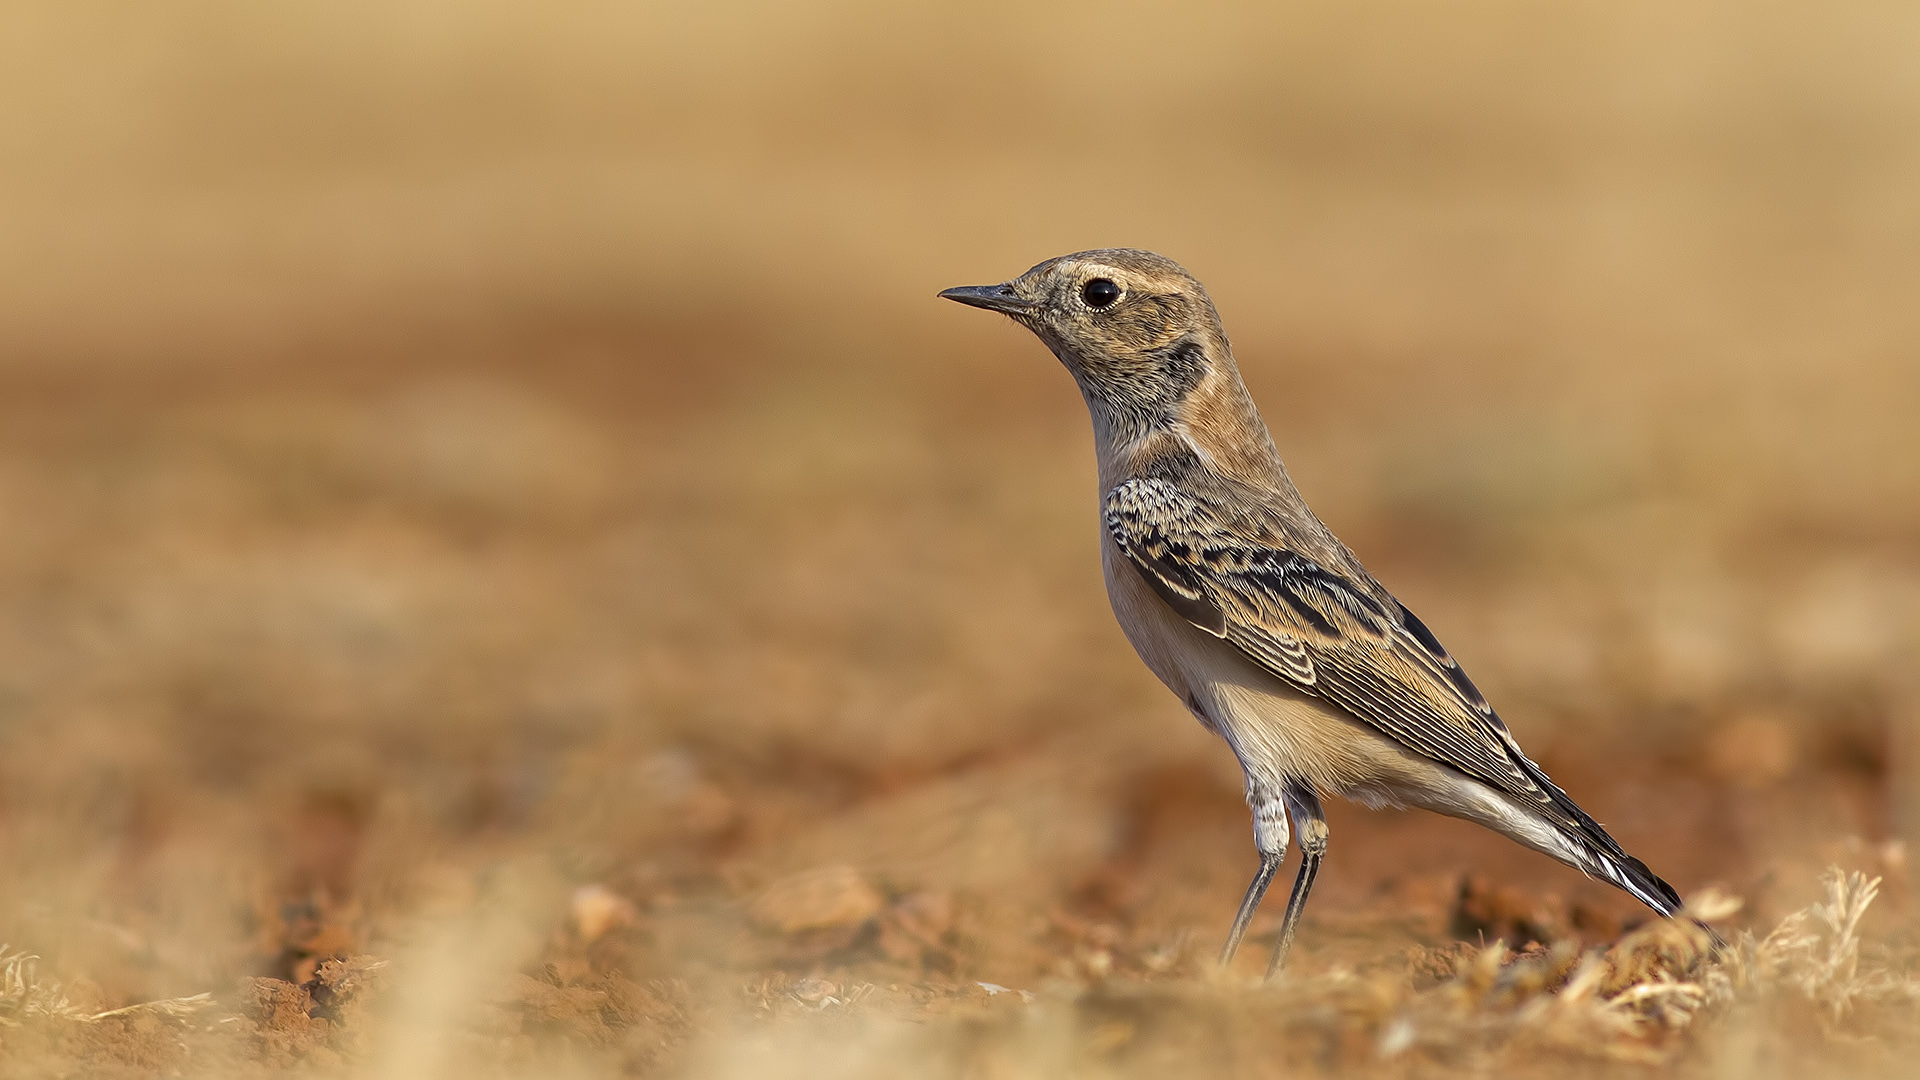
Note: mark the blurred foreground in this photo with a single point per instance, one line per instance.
(506, 569)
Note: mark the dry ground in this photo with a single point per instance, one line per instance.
(505, 569)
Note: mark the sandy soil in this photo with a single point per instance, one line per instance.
(506, 569)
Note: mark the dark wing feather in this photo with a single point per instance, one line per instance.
(1340, 639)
(1309, 625)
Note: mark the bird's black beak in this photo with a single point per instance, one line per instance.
(992, 297)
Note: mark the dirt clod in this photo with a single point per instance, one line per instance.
(827, 898)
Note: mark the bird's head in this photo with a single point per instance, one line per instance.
(1138, 332)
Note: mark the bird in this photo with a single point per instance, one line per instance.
(1253, 613)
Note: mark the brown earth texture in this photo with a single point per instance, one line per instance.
(507, 570)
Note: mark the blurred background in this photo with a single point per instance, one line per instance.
(487, 461)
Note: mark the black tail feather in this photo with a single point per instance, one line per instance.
(1653, 891)
(1648, 886)
(1622, 869)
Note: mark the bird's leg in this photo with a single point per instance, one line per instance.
(1270, 839)
(1312, 823)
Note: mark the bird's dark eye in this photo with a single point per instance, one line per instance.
(1100, 293)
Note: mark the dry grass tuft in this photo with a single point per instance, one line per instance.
(23, 995)
(1817, 952)
(1637, 1000)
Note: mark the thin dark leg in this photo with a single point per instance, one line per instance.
(1303, 884)
(1270, 837)
(1269, 865)
(1311, 823)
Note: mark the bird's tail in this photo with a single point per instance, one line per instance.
(1611, 862)
(1650, 889)
(1632, 875)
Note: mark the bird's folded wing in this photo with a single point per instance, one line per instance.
(1338, 639)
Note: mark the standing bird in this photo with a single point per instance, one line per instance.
(1252, 612)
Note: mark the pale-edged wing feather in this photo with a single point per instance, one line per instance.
(1344, 640)
(1309, 625)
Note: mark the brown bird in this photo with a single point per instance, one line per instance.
(1249, 608)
